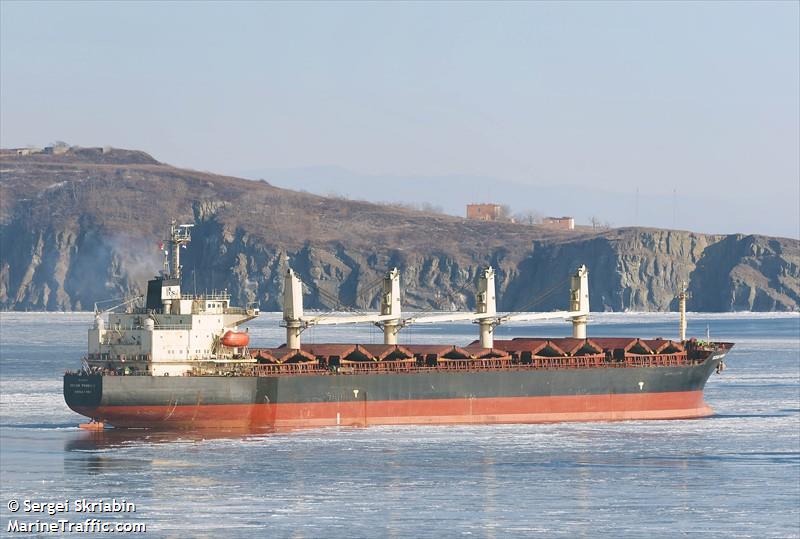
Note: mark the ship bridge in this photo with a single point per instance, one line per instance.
(174, 332)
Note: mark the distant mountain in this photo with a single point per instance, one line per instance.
(84, 226)
(720, 213)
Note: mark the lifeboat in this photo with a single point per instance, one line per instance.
(235, 339)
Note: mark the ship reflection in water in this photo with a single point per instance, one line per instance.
(114, 438)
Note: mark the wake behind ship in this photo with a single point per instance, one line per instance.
(182, 362)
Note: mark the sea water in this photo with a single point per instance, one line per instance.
(736, 474)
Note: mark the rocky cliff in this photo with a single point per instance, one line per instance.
(83, 227)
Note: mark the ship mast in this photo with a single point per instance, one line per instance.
(179, 235)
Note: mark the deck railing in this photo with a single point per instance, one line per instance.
(537, 363)
(418, 365)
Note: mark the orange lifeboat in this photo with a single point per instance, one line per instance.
(235, 339)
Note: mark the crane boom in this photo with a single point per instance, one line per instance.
(447, 317)
(346, 319)
(528, 317)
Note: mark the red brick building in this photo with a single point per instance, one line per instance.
(484, 212)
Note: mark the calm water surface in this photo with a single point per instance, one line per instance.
(736, 474)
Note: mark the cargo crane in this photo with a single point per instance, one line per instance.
(391, 321)
(487, 318)
(295, 320)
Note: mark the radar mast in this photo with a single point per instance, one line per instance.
(179, 236)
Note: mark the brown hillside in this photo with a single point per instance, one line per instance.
(83, 226)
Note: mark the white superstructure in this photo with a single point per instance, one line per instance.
(174, 333)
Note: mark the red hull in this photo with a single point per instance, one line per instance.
(672, 405)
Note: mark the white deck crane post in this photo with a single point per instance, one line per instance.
(486, 304)
(293, 309)
(390, 306)
(682, 295)
(579, 301)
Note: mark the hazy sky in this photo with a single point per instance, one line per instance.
(702, 98)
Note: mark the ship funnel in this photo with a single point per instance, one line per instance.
(292, 308)
(390, 306)
(486, 304)
(579, 301)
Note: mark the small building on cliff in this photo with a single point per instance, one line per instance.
(484, 212)
(566, 223)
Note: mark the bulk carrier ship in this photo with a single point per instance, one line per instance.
(182, 362)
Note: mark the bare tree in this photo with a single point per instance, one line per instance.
(529, 217)
(595, 222)
(431, 208)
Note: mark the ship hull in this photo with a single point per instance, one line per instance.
(316, 400)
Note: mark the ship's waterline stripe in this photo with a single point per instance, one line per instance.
(670, 405)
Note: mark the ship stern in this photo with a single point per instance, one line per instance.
(83, 393)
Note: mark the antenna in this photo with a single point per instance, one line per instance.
(165, 252)
(636, 209)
